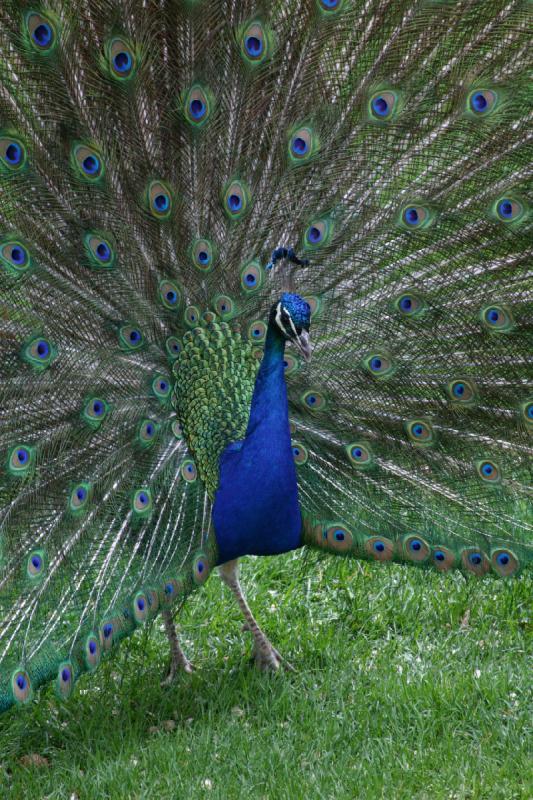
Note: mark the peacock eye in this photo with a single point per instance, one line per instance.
(255, 42)
(12, 153)
(121, 58)
(159, 200)
(42, 32)
(251, 276)
(14, 257)
(481, 102)
(236, 199)
(420, 432)
(330, 5)
(509, 209)
(203, 254)
(416, 217)
(497, 318)
(197, 106)
(257, 331)
(383, 105)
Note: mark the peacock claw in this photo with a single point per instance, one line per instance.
(176, 665)
(264, 655)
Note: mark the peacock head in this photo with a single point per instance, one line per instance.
(292, 316)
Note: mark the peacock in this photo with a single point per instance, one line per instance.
(263, 285)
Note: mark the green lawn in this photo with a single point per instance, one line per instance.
(408, 684)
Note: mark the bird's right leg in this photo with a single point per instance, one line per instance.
(178, 659)
(265, 655)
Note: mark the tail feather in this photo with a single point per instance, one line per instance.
(152, 157)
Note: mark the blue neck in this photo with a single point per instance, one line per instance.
(256, 508)
(269, 411)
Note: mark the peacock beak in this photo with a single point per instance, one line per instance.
(304, 345)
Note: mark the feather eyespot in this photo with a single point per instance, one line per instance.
(15, 257)
(379, 548)
(475, 561)
(416, 216)
(504, 562)
(509, 209)
(65, 680)
(109, 630)
(197, 106)
(87, 162)
(35, 566)
(314, 400)
(255, 42)
(224, 306)
(236, 199)
(161, 387)
(95, 411)
(130, 337)
(192, 316)
(142, 502)
(200, 568)
(339, 538)
(80, 497)
(159, 200)
(415, 548)
(303, 145)
(257, 331)
(379, 364)
(20, 460)
(42, 32)
(360, 455)
(420, 432)
(141, 608)
(251, 277)
(91, 652)
(489, 471)
(409, 304)
(481, 102)
(173, 347)
(39, 353)
(290, 364)
(121, 59)
(147, 432)
(203, 254)
(383, 105)
(99, 251)
(462, 392)
(526, 413)
(317, 234)
(13, 156)
(443, 559)
(299, 453)
(188, 471)
(497, 318)
(21, 686)
(169, 294)
(328, 6)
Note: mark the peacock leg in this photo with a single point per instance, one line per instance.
(266, 657)
(178, 659)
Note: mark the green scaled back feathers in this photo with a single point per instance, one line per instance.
(152, 156)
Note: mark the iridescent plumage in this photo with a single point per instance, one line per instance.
(169, 174)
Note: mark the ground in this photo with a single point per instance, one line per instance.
(408, 684)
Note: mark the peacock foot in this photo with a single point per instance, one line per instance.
(264, 655)
(177, 664)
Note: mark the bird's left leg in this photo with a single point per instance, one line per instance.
(265, 655)
(178, 659)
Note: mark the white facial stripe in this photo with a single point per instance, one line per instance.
(282, 315)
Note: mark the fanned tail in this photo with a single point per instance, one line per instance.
(152, 158)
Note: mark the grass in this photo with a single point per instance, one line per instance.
(408, 684)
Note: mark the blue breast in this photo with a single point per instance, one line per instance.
(256, 509)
